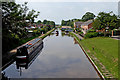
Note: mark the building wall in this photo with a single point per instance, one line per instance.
(86, 28)
(90, 26)
(74, 25)
(77, 25)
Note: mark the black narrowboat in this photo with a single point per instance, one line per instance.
(28, 51)
(27, 63)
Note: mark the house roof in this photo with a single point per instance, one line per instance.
(79, 23)
(66, 26)
(87, 23)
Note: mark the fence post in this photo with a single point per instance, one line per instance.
(112, 32)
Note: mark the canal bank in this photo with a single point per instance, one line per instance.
(78, 38)
(11, 54)
(89, 50)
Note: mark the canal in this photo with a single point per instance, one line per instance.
(61, 57)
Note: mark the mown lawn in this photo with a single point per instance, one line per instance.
(106, 50)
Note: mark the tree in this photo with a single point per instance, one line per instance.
(52, 23)
(63, 23)
(88, 16)
(105, 20)
(48, 25)
(118, 25)
(45, 21)
(67, 23)
(14, 18)
(39, 21)
(96, 24)
(15, 15)
(31, 16)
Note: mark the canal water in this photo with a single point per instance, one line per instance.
(61, 57)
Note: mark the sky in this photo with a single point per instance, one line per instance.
(58, 10)
(68, 0)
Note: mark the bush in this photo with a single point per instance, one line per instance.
(91, 34)
(101, 34)
(92, 30)
(81, 33)
(108, 34)
(9, 43)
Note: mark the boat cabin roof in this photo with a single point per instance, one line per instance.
(31, 43)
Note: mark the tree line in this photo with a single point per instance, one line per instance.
(46, 25)
(86, 17)
(102, 21)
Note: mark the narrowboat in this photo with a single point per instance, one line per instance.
(28, 51)
(27, 63)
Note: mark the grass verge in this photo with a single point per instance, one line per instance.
(105, 50)
(47, 33)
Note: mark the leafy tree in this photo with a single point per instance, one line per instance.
(52, 23)
(67, 23)
(31, 16)
(63, 23)
(15, 15)
(45, 21)
(39, 21)
(96, 24)
(14, 18)
(88, 16)
(105, 20)
(118, 25)
(47, 25)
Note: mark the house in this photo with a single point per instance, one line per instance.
(86, 26)
(78, 24)
(68, 28)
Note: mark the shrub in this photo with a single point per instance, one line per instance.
(92, 30)
(91, 34)
(101, 34)
(108, 34)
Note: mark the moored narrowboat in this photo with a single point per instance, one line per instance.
(28, 51)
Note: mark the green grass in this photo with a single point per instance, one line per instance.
(105, 49)
(47, 33)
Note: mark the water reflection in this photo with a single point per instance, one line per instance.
(57, 33)
(65, 34)
(28, 62)
(20, 65)
(60, 58)
(4, 77)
